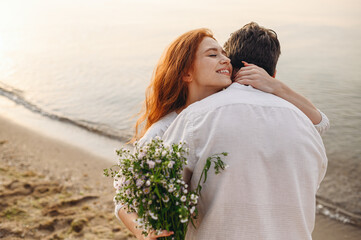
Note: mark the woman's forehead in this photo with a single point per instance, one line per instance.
(209, 43)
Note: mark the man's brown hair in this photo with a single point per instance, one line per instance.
(256, 45)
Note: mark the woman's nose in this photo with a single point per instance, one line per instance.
(226, 60)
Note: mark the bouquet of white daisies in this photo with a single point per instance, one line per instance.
(149, 182)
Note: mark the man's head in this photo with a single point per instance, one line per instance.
(256, 45)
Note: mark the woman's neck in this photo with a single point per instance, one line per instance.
(195, 94)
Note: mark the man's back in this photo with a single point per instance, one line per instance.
(276, 162)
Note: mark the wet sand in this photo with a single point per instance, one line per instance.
(52, 190)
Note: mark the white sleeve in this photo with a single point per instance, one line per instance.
(116, 210)
(324, 125)
(158, 128)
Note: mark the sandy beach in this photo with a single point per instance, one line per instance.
(52, 190)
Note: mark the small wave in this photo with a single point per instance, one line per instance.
(17, 96)
(332, 211)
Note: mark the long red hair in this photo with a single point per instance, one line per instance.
(167, 91)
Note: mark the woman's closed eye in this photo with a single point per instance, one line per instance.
(212, 55)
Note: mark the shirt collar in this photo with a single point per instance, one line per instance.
(243, 87)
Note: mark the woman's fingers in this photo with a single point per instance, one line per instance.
(247, 73)
(241, 78)
(254, 68)
(164, 233)
(248, 69)
(247, 64)
(245, 82)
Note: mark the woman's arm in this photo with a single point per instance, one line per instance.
(258, 78)
(128, 220)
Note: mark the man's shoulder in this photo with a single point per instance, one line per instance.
(237, 94)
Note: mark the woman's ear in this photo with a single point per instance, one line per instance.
(187, 78)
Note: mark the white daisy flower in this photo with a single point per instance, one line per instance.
(164, 153)
(139, 183)
(183, 198)
(146, 190)
(151, 164)
(152, 215)
(141, 155)
(165, 199)
(170, 164)
(184, 220)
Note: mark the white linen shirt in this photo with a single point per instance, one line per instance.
(276, 162)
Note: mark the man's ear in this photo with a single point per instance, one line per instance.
(187, 78)
(274, 75)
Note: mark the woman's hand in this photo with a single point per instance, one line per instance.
(258, 78)
(152, 235)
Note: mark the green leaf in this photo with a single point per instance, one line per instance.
(157, 192)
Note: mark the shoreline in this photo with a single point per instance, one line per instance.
(26, 154)
(98, 145)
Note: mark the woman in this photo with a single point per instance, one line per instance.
(182, 77)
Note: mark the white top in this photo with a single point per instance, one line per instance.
(158, 128)
(276, 163)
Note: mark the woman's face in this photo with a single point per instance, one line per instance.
(211, 69)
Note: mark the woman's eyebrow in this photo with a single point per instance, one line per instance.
(216, 49)
(211, 49)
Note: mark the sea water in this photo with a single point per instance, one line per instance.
(87, 63)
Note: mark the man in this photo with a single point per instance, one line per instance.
(276, 157)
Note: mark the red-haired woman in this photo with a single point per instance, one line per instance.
(194, 67)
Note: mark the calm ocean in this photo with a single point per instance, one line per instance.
(88, 62)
